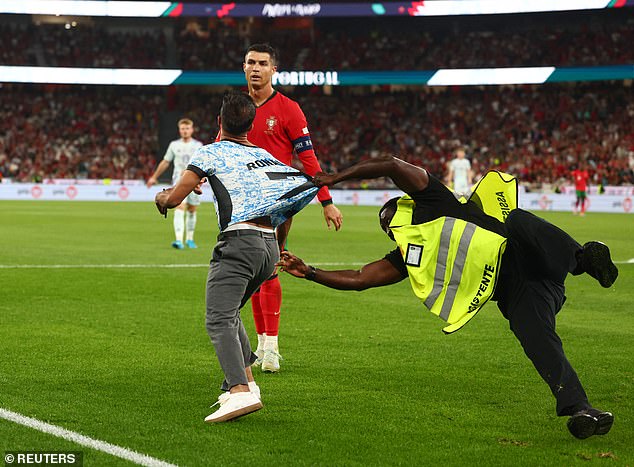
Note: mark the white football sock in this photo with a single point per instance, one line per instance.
(270, 343)
(190, 219)
(179, 224)
(261, 341)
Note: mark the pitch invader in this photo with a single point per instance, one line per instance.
(179, 152)
(253, 194)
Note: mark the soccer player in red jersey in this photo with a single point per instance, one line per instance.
(581, 177)
(280, 127)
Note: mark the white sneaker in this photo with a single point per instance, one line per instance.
(260, 354)
(271, 361)
(255, 389)
(233, 406)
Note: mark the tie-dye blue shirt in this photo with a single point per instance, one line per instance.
(248, 182)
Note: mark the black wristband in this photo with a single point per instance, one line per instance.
(310, 275)
(326, 202)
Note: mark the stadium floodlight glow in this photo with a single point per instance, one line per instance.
(491, 76)
(445, 77)
(84, 8)
(65, 75)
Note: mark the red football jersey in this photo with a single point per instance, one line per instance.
(581, 179)
(280, 127)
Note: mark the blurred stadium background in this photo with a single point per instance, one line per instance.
(52, 131)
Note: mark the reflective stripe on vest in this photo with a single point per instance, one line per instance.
(456, 274)
(441, 267)
(441, 263)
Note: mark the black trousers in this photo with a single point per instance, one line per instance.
(531, 292)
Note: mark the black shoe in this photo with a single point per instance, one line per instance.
(588, 422)
(596, 261)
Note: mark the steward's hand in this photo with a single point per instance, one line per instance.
(323, 179)
(292, 264)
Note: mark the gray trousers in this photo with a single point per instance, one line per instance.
(241, 261)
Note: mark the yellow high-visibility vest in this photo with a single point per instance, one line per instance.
(496, 194)
(453, 264)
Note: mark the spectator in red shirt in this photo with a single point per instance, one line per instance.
(280, 127)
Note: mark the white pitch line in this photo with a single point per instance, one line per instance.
(118, 451)
(133, 266)
(629, 261)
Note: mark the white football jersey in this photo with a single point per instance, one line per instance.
(461, 168)
(248, 182)
(180, 153)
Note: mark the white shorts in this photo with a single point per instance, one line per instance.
(460, 186)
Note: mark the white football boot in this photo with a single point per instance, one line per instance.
(271, 361)
(255, 389)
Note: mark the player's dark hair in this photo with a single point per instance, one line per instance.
(237, 112)
(266, 49)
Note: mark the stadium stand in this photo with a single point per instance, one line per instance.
(538, 132)
(467, 44)
(512, 128)
(18, 47)
(101, 47)
(78, 132)
(600, 38)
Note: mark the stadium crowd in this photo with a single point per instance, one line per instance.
(222, 48)
(415, 50)
(100, 47)
(379, 47)
(387, 44)
(537, 132)
(81, 46)
(18, 47)
(48, 132)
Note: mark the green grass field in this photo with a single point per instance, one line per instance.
(120, 354)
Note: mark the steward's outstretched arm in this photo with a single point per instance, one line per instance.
(376, 274)
(407, 177)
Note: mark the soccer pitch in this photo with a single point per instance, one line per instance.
(102, 333)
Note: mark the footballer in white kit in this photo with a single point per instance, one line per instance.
(180, 152)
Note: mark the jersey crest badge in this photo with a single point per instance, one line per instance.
(270, 124)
